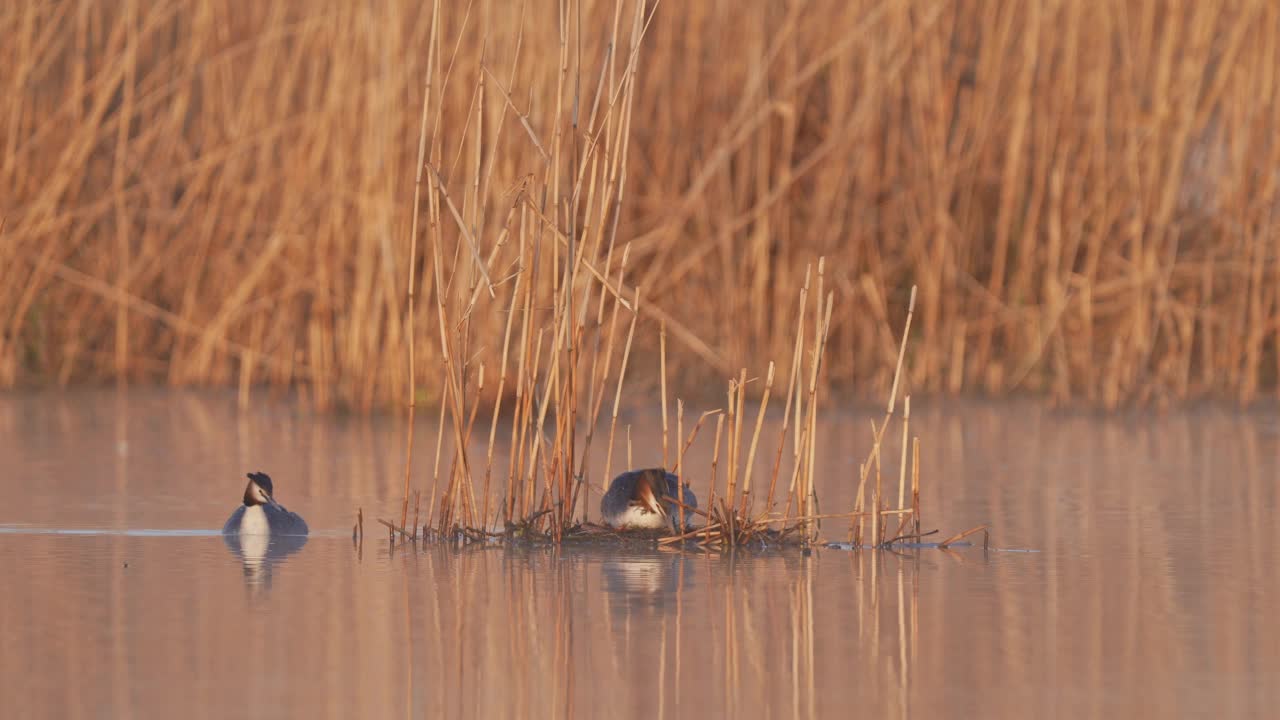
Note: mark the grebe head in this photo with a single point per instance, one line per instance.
(258, 491)
(650, 487)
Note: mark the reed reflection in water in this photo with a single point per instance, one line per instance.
(587, 633)
(1150, 594)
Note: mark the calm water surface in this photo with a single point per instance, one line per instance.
(1153, 590)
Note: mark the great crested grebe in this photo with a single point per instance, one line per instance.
(634, 499)
(261, 514)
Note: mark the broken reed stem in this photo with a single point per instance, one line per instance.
(800, 490)
(755, 439)
(715, 459)
(873, 459)
(960, 536)
(662, 354)
(893, 396)
(829, 516)
(792, 384)
(732, 398)
(394, 530)
(690, 534)
(681, 480)
(902, 468)
(811, 430)
(915, 484)
(855, 526)
(417, 503)
(735, 438)
(697, 426)
(909, 536)
(902, 349)
(679, 435)
(875, 493)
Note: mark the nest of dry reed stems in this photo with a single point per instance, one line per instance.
(731, 517)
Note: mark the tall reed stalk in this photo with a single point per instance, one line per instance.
(1085, 193)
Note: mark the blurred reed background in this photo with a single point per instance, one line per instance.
(218, 192)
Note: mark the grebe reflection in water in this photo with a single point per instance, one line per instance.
(261, 532)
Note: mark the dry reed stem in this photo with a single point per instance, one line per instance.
(735, 436)
(417, 502)
(960, 536)
(902, 467)
(684, 450)
(502, 381)
(662, 375)
(617, 398)
(682, 481)
(915, 484)
(597, 393)
(679, 434)
(801, 519)
(731, 419)
(703, 531)
(755, 439)
(394, 530)
(811, 428)
(902, 350)
(410, 291)
(598, 379)
(855, 528)
(792, 384)
(873, 464)
(715, 459)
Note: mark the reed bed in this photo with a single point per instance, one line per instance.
(733, 518)
(205, 193)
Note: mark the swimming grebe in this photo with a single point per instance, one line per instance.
(634, 499)
(261, 514)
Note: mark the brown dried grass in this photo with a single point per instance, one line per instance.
(211, 192)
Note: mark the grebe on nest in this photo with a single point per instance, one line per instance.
(634, 499)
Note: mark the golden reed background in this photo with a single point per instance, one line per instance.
(1086, 193)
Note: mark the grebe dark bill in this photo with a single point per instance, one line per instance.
(634, 499)
(261, 514)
